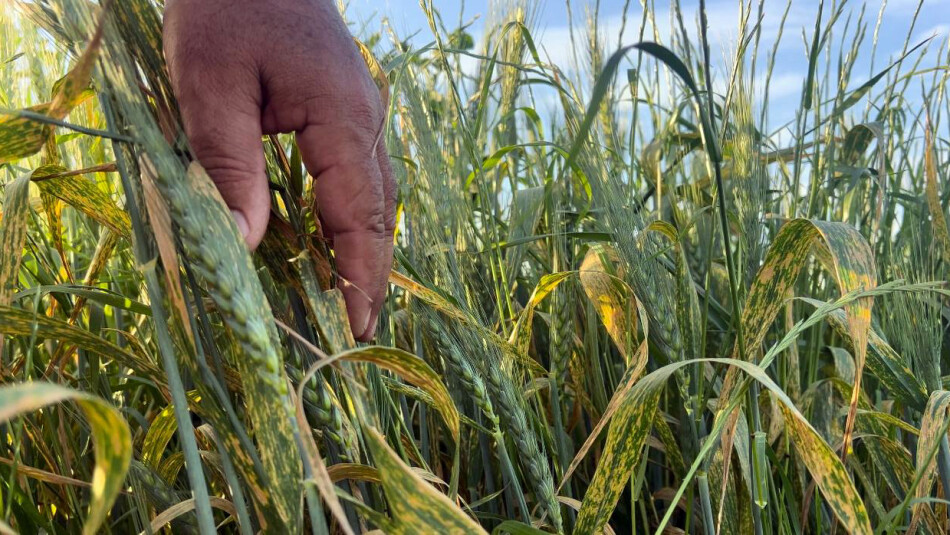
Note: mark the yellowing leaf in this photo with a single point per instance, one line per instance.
(112, 441)
(416, 506)
(613, 300)
(521, 334)
(375, 70)
(414, 370)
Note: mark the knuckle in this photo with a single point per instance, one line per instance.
(376, 222)
(356, 97)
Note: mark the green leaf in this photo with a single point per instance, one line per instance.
(603, 85)
(91, 293)
(527, 205)
(863, 89)
(513, 527)
(112, 441)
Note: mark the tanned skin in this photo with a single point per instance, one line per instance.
(246, 68)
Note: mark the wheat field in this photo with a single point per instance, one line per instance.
(623, 300)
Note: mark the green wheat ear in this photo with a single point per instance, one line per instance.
(212, 239)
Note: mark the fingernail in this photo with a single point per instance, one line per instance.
(370, 330)
(241, 222)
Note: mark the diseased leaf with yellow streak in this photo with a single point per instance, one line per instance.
(360, 472)
(182, 508)
(160, 432)
(83, 195)
(21, 137)
(849, 258)
(619, 397)
(53, 208)
(318, 469)
(883, 360)
(629, 428)
(330, 311)
(19, 322)
(416, 506)
(357, 472)
(433, 298)
(111, 439)
(846, 254)
(632, 422)
(935, 415)
(608, 294)
(827, 470)
(16, 209)
(414, 370)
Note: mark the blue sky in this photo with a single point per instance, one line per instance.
(406, 17)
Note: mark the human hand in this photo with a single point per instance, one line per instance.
(246, 68)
